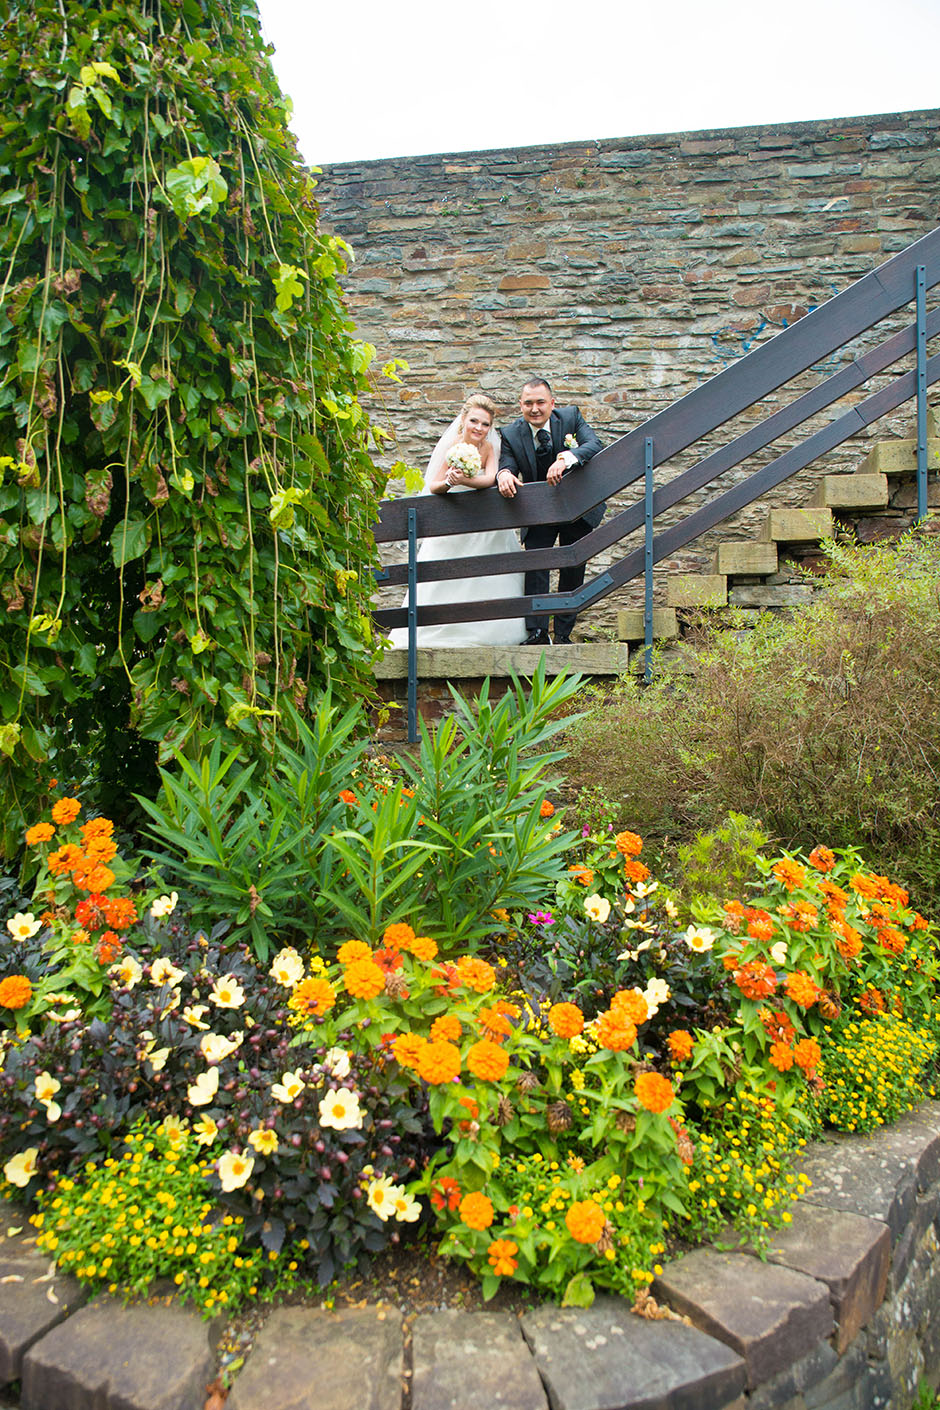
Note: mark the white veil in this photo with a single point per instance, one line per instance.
(450, 438)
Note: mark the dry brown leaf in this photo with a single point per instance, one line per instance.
(216, 1395)
(51, 1297)
(644, 1305)
(13, 1278)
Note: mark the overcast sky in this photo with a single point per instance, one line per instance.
(371, 78)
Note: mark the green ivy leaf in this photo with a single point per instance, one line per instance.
(196, 187)
(129, 541)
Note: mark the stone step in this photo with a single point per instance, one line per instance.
(797, 526)
(631, 625)
(741, 558)
(697, 590)
(900, 457)
(853, 493)
(592, 658)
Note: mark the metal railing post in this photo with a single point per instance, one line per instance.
(412, 626)
(921, 300)
(648, 561)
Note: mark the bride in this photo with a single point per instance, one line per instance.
(472, 427)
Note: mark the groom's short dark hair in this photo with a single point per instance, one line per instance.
(538, 382)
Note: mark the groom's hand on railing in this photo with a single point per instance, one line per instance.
(557, 468)
(506, 483)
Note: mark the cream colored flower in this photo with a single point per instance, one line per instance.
(215, 1047)
(227, 993)
(341, 1110)
(46, 1088)
(21, 1169)
(193, 1013)
(155, 1056)
(288, 967)
(204, 1088)
(127, 972)
(264, 1142)
(778, 952)
(642, 889)
(336, 1062)
(205, 1131)
(164, 906)
(597, 908)
(381, 1195)
(24, 925)
(634, 954)
(407, 1208)
(699, 938)
(234, 1170)
(289, 1089)
(163, 971)
(174, 1129)
(656, 993)
(672, 910)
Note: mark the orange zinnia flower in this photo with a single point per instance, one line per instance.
(865, 885)
(494, 1024)
(423, 948)
(653, 1091)
(789, 873)
(585, 1221)
(872, 1000)
(15, 991)
(476, 1211)
(501, 1257)
(628, 844)
(834, 893)
(446, 1029)
(353, 950)
(801, 989)
(780, 1056)
(581, 873)
(681, 1044)
(314, 996)
(487, 1060)
(635, 871)
(100, 849)
(822, 858)
(761, 930)
(756, 980)
(398, 937)
(807, 1055)
(97, 828)
(66, 810)
(891, 940)
(801, 915)
(630, 1005)
(613, 1034)
(108, 947)
(851, 943)
(445, 1194)
(364, 979)
(119, 911)
(547, 809)
(566, 1020)
(475, 974)
(438, 1063)
(42, 832)
(67, 858)
(347, 796)
(777, 1026)
(408, 1047)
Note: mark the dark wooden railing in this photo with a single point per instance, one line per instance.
(902, 280)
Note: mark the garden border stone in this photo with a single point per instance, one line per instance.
(844, 1315)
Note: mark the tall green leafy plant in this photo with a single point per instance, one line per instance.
(186, 491)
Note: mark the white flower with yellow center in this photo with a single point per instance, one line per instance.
(46, 1088)
(597, 908)
(407, 1208)
(164, 906)
(204, 1088)
(381, 1195)
(341, 1110)
(127, 972)
(642, 889)
(336, 1062)
(205, 1131)
(215, 1047)
(656, 993)
(672, 910)
(778, 952)
(227, 993)
(193, 1013)
(699, 938)
(288, 967)
(234, 1170)
(263, 1141)
(163, 971)
(24, 925)
(21, 1169)
(634, 954)
(155, 1056)
(289, 1088)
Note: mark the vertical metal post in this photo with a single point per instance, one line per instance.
(412, 626)
(921, 297)
(648, 561)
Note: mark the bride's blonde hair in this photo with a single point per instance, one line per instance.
(481, 400)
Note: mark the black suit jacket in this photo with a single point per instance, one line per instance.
(517, 452)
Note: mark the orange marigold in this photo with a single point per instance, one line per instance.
(756, 980)
(780, 1056)
(66, 810)
(547, 810)
(438, 1063)
(613, 1034)
(347, 796)
(630, 1005)
(566, 1020)
(891, 940)
(635, 871)
(495, 1025)
(446, 1029)
(865, 885)
(653, 1091)
(789, 873)
(353, 950)
(119, 911)
(585, 1221)
(408, 1047)
(15, 991)
(850, 945)
(423, 948)
(487, 1060)
(761, 930)
(801, 989)
(398, 937)
(475, 974)
(364, 979)
(628, 844)
(681, 1043)
(96, 828)
(807, 1055)
(42, 832)
(476, 1211)
(65, 859)
(313, 996)
(501, 1257)
(822, 858)
(581, 873)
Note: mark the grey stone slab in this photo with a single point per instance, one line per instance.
(924, 1214)
(864, 1175)
(848, 1252)
(111, 1357)
(604, 1358)
(792, 595)
(770, 1315)
(916, 1136)
(31, 1303)
(788, 1387)
(472, 1361)
(307, 1359)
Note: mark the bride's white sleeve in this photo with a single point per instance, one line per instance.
(439, 453)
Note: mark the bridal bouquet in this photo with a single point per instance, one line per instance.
(465, 458)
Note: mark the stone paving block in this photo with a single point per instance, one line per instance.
(898, 457)
(788, 1387)
(631, 623)
(770, 1315)
(851, 492)
(110, 1357)
(926, 1208)
(916, 1134)
(865, 1176)
(31, 1304)
(307, 1359)
(473, 1361)
(697, 590)
(848, 1252)
(736, 558)
(763, 596)
(604, 1358)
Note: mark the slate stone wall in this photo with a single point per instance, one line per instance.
(626, 271)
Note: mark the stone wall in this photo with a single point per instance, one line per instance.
(626, 271)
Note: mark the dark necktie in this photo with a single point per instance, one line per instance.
(543, 455)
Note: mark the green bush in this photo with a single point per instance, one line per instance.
(823, 725)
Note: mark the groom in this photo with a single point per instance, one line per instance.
(542, 445)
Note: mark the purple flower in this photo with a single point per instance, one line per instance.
(585, 831)
(542, 918)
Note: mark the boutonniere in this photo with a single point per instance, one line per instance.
(571, 442)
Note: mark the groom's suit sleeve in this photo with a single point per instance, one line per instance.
(587, 442)
(508, 458)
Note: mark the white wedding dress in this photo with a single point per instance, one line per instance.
(498, 631)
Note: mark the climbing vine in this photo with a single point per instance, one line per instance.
(186, 491)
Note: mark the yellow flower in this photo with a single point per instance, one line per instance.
(21, 1169)
(205, 1131)
(46, 1088)
(381, 1195)
(127, 971)
(289, 1089)
(164, 906)
(340, 1110)
(227, 993)
(214, 1047)
(407, 1209)
(204, 1088)
(174, 1129)
(155, 1056)
(193, 1013)
(24, 925)
(288, 967)
(597, 908)
(263, 1141)
(162, 971)
(234, 1170)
